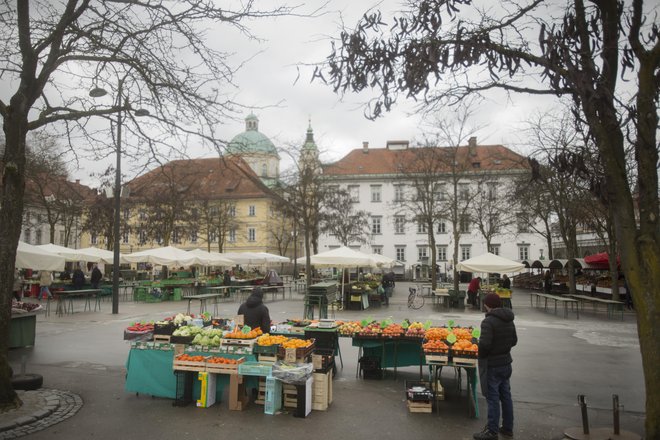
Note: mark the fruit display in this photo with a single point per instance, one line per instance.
(141, 327)
(393, 330)
(209, 337)
(435, 346)
(189, 358)
(349, 328)
(223, 360)
(297, 343)
(240, 334)
(267, 340)
(181, 319)
(464, 345)
(22, 307)
(416, 330)
(437, 333)
(462, 333)
(371, 330)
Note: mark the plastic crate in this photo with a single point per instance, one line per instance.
(370, 367)
(273, 400)
(418, 391)
(255, 369)
(184, 387)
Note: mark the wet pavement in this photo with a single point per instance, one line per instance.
(82, 357)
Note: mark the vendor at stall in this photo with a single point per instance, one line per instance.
(255, 313)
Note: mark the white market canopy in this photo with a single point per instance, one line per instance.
(67, 253)
(33, 257)
(340, 257)
(211, 258)
(164, 256)
(101, 255)
(383, 261)
(490, 263)
(254, 257)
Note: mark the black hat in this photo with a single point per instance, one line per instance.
(493, 300)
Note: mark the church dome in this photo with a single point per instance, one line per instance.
(251, 141)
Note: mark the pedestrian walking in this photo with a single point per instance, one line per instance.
(96, 277)
(17, 289)
(473, 292)
(45, 280)
(78, 279)
(388, 287)
(498, 335)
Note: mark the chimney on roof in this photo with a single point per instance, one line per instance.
(77, 181)
(472, 142)
(365, 147)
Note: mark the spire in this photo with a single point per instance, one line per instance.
(310, 144)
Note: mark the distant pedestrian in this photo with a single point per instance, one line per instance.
(96, 277)
(498, 335)
(388, 284)
(17, 289)
(473, 292)
(547, 282)
(629, 300)
(45, 280)
(78, 279)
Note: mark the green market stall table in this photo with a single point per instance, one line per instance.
(22, 329)
(392, 352)
(471, 374)
(149, 370)
(65, 300)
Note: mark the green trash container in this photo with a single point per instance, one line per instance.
(176, 294)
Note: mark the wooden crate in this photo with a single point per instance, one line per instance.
(322, 391)
(161, 338)
(467, 361)
(289, 395)
(223, 368)
(240, 342)
(419, 407)
(267, 358)
(261, 392)
(189, 365)
(437, 358)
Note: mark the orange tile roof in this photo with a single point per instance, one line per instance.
(207, 178)
(58, 186)
(393, 161)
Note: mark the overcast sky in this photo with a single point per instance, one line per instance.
(276, 75)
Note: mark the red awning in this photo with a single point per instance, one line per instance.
(600, 260)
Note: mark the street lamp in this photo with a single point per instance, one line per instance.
(97, 92)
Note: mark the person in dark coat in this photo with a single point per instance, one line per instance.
(78, 279)
(498, 335)
(96, 277)
(505, 282)
(255, 313)
(388, 284)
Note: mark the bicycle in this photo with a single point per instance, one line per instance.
(415, 300)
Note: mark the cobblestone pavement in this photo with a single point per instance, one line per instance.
(41, 408)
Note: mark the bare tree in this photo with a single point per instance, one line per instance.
(441, 51)
(214, 221)
(158, 55)
(339, 218)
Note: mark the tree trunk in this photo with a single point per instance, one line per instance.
(11, 214)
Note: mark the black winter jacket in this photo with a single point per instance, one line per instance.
(255, 313)
(498, 335)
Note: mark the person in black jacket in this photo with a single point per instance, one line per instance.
(96, 277)
(255, 313)
(78, 279)
(498, 335)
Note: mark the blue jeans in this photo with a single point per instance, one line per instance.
(499, 390)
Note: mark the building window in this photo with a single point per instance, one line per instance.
(492, 191)
(377, 250)
(252, 211)
(264, 170)
(38, 237)
(523, 223)
(28, 236)
(175, 236)
(399, 193)
(442, 253)
(232, 235)
(193, 236)
(463, 191)
(439, 190)
(376, 193)
(62, 238)
(523, 252)
(232, 211)
(159, 239)
(214, 211)
(465, 252)
(94, 239)
(399, 224)
(400, 253)
(375, 225)
(252, 234)
(442, 227)
(127, 213)
(422, 253)
(125, 237)
(464, 224)
(354, 193)
(494, 249)
(213, 237)
(142, 234)
(421, 226)
(143, 215)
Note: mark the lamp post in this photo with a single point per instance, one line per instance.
(96, 93)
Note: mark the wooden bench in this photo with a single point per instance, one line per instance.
(557, 299)
(612, 305)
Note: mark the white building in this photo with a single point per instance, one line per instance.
(381, 182)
